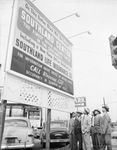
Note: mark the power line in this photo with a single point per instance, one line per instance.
(82, 50)
(97, 40)
(112, 102)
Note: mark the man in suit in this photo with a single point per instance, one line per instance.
(86, 125)
(97, 129)
(77, 131)
(106, 128)
(71, 130)
(92, 129)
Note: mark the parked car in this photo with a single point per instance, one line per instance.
(18, 133)
(114, 140)
(59, 134)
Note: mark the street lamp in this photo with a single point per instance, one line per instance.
(76, 14)
(33, 1)
(88, 32)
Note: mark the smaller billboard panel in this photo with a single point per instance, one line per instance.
(80, 102)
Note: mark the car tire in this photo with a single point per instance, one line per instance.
(30, 149)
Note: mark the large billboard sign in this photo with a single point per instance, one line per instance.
(40, 51)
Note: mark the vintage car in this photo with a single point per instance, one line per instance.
(59, 134)
(114, 140)
(18, 133)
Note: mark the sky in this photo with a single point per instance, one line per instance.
(93, 73)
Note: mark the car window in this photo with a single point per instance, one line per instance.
(57, 125)
(16, 123)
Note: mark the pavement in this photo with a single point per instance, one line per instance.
(39, 147)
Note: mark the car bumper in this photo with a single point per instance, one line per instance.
(17, 146)
(57, 141)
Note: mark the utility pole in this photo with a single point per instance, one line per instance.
(104, 101)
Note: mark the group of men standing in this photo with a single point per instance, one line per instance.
(85, 128)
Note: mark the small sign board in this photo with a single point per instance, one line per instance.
(80, 102)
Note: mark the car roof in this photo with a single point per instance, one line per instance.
(16, 118)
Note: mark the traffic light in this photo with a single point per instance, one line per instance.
(113, 48)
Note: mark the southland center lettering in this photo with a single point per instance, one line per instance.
(32, 23)
(23, 46)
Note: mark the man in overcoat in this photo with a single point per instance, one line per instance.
(78, 131)
(106, 128)
(71, 130)
(97, 129)
(86, 126)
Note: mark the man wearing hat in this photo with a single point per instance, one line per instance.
(86, 125)
(77, 130)
(92, 131)
(97, 130)
(71, 130)
(106, 128)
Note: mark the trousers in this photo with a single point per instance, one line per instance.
(97, 145)
(106, 142)
(78, 139)
(72, 141)
(86, 141)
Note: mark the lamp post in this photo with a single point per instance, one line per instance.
(74, 14)
(88, 32)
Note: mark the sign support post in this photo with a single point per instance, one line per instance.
(2, 119)
(48, 129)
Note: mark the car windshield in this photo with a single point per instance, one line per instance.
(57, 125)
(16, 123)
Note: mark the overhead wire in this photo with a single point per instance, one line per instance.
(82, 50)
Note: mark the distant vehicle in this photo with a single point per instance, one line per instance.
(114, 126)
(18, 133)
(59, 134)
(114, 140)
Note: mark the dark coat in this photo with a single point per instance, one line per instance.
(106, 128)
(77, 126)
(98, 124)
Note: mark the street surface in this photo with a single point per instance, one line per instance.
(55, 147)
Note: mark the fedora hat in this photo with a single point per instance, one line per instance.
(97, 110)
(106, 107)
(79, 112)
(87, 110)
(73, 113)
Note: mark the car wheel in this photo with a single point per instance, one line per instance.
(29, 149)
